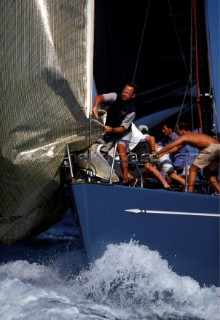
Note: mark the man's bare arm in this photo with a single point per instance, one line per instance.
(172, 147)
(98, 99)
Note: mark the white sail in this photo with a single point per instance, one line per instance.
(46, 57)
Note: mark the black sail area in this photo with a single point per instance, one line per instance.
(151, 43)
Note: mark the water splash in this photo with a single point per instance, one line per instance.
(32, 291)
(128, 282)
(133, 277)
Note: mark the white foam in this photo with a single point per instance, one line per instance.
(128, 282)
(133, 277)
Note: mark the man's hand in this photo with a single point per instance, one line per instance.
(107, 129)
(95, 114)
(159, 155)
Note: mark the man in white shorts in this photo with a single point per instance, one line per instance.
(141, 147)
(164, 164)
(121, 111)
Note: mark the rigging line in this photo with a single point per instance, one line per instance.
(191, 66)
(190, 80)
(178, 37)
(184, 97)
(142, 36)
(197, 65)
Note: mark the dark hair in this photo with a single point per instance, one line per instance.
(133, 85)
(183, 126)
(168, 124)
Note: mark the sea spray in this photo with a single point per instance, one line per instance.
(36, 292)
(130, 282)
(135, 278)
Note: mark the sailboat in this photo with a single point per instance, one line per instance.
(183, 227)
(46, 97)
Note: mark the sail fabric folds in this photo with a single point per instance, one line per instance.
(43, 107)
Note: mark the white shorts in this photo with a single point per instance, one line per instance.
(166, 168)
(125, 138)
(164, 163)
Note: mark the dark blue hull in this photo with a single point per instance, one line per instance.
(183, 227)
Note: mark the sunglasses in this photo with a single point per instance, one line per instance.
(127, 93)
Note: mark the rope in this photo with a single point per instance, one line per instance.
(182, 105)
(190, 75)
(177, 36)
(139, 50)
(191, 48)
(184, 61)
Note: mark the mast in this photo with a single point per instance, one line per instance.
(203, 78)
(89, 56)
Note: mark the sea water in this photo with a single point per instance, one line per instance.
(47, 278)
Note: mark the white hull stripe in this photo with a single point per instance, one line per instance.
(174, 213)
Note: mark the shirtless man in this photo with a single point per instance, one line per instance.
(208, 159)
